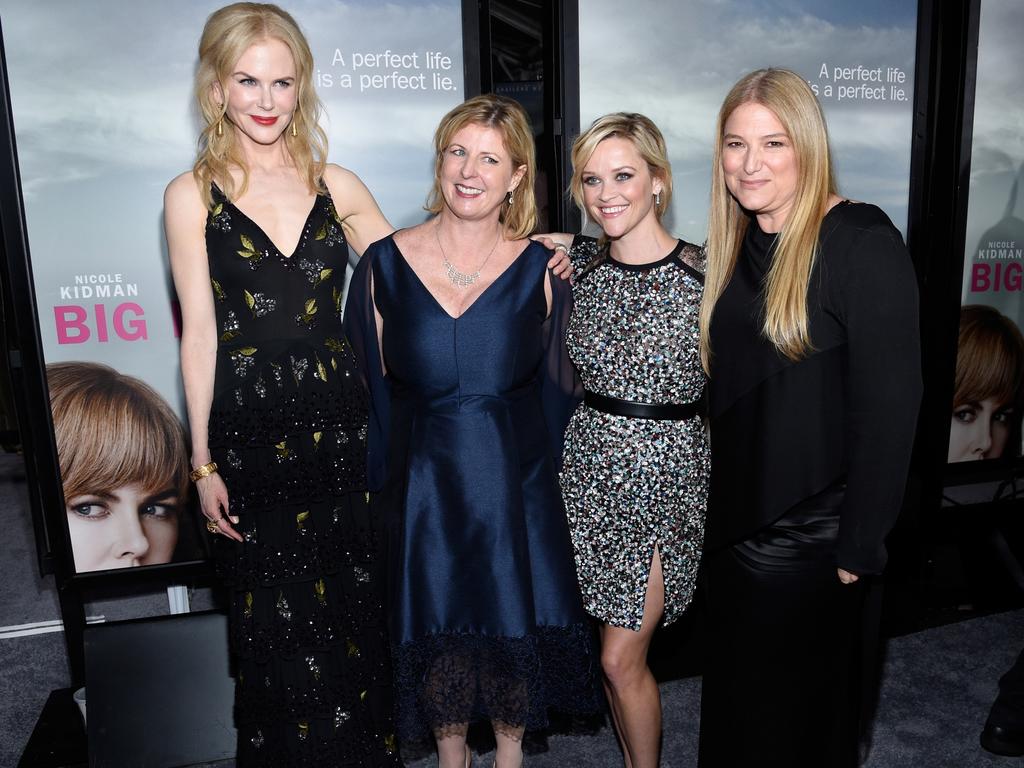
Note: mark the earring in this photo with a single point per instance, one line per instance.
(510, 198)
(657, 199)
(220, 127)
(295, 131)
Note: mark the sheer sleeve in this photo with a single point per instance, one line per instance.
(561, 389)
(360, 326)
(696, 256)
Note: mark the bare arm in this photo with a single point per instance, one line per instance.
(360, 215)
(184, 224)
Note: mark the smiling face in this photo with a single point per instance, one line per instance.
(123, 527)
(477, 172)
(760, 164)
(260, 92)
(618, 188)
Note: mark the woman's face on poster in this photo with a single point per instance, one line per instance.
(980, 430)
(124, 527)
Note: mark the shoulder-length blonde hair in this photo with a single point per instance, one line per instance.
(511, 120)
(989, 358)
(113, 430)
(228, 33)
(789, 97)
(645, 136)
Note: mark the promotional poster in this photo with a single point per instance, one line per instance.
(675, 62)
(105, 117)
(989, 391)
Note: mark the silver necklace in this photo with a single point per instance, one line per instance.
(455, 277)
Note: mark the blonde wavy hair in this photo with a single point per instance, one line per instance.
(789, 97)
(228, 34)
(511, 120)
(644, 135)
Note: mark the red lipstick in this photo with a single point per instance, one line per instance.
(264, 120)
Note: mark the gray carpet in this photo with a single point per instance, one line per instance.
(936, 689)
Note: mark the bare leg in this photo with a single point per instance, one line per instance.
(452, 751)
(509, 753)
(615, 714)
(633, 691)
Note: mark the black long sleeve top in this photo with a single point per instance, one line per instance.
(783, 430)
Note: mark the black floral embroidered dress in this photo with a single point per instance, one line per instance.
(288, 431)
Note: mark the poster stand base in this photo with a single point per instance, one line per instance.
(58, 740)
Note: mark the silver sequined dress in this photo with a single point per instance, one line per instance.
(632, 484)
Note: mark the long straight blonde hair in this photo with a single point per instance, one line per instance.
(228, 33)
(789, 97)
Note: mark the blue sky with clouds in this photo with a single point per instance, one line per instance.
(675, 60)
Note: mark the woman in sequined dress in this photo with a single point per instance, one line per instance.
(636, 458)
(276, 407)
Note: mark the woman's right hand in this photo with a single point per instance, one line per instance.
(213, 500)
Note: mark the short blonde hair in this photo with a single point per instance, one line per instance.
(644, 135)
(511, 120)
(228, 34)
(791, 100)
(113, 430)
(989, 358)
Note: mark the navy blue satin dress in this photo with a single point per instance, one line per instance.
(485, 614)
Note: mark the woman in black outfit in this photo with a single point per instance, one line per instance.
(809, 333)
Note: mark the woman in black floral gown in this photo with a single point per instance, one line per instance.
(277, 412)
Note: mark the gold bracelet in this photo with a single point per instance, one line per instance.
(204, 471)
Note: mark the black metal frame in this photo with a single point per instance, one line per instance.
(474, 13)
(562, 105)
(939, 191)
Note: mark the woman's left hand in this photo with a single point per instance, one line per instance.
(559, 263)
(846, 577)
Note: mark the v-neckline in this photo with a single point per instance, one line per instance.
(433, 298)
(263, 232)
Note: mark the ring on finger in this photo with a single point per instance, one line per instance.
(212, 526)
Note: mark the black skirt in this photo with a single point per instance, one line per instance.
(780, 680)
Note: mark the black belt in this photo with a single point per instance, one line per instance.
(616, 407)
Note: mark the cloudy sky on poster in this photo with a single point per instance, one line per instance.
(104, 117)
(679, 69)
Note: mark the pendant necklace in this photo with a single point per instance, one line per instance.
(455, 277)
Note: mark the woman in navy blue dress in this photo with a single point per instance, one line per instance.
(460, 328)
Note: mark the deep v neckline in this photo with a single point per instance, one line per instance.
(267, 238)
(433, 298)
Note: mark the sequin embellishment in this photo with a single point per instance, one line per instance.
(632, 484)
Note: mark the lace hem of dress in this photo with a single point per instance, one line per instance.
(444, 680)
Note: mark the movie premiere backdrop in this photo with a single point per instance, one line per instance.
(675, 60)
(105, 117)
(989, 396)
